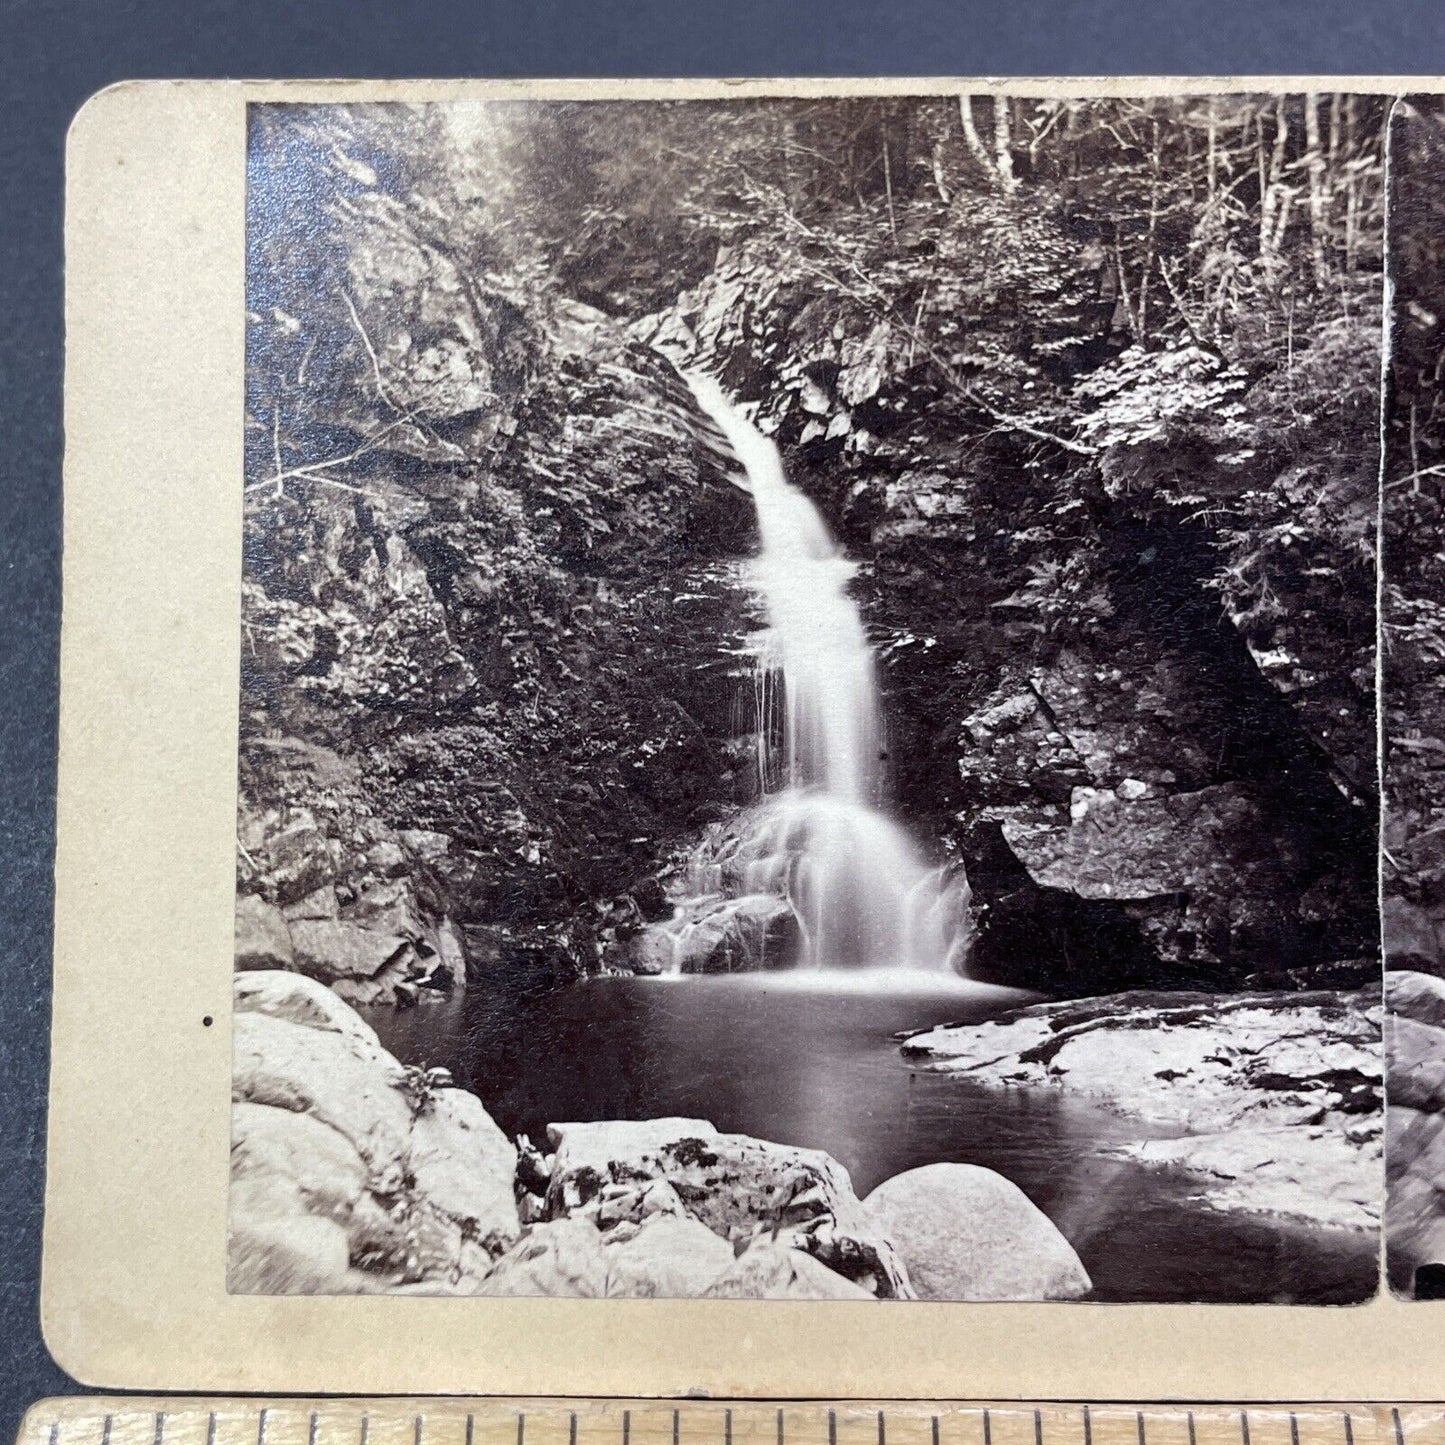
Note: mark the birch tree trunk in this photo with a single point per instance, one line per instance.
(972, 137)
(1315, 172)
(1275, 201)
(1003, 145)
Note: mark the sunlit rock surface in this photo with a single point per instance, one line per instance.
(738, 1186)
(349, 1172)
(1276, 1097)
(1415, 1150)
(967, 1233)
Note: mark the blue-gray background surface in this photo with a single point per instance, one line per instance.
(52, 55)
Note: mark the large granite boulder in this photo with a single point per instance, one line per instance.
(1414, 936)
(1415, 1141)
(775, 1271)
(737, 1186)
(561, 1258)
(263, 937)
(665, 1257)
(354, 1088)
(967, 1233)
(1417, 996)
(334, 1140)
(276, 1246)
(300, 1000)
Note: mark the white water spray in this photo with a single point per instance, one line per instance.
(861, 890)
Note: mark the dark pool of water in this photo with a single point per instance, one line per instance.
(817, 1067)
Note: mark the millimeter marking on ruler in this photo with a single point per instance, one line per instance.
(179, 1421)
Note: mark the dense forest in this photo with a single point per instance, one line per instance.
(1090, 390)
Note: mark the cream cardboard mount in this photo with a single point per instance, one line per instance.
(136, 1268)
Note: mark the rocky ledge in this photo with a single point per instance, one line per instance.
(353, 1174)
(1271, 1102)
(1415, 1220)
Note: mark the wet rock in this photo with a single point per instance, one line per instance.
(322, 904)
(737, 1186)
(1126, 845)
(292, 855)
(774, 1271)
(1302, 1171)
(263, 939)
(650, 952)
(424, 844)
(363, 964)
(387, 859)
(967, 1233)
(1413, 936)
(733, 935)
(1308, 1064)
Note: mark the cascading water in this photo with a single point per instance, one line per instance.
(862, 893)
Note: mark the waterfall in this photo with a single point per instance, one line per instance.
(861, 890)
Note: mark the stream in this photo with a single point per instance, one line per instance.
(809, 1058)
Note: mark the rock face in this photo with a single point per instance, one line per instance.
(1276, 1097)
(349, 1172)
(1078, 637)
(967, 1233)
(712, 935)
(1415, 1146)
(330, 890)
(739, 1187)
(492, 668)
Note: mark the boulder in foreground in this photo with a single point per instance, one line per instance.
(967, 1233)
(350, 1173)
(738, 1186)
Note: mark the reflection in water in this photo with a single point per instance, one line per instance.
(770, 1056)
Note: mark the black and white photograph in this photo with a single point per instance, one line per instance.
(1412, 853)
(808, 698)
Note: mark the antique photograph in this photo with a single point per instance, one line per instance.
(1412, 853)
(807, 703)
